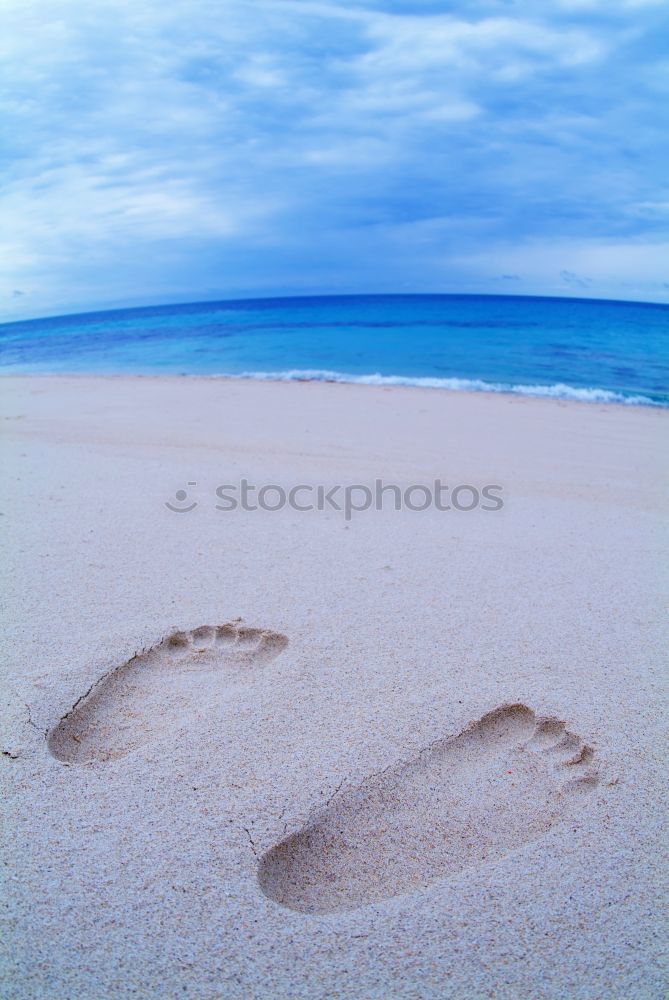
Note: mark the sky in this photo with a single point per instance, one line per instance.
(182, 150)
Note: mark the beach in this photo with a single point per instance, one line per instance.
(299, 753)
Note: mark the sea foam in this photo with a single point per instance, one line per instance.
(557, 391)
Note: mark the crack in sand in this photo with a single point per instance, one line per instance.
(251, 842)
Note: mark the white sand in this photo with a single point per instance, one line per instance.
(428, 762)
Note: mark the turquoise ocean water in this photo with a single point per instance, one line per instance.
(581, 349)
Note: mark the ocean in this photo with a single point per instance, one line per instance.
(582, 349)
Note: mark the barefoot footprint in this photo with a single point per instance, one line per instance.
(158, 689)
(501, 783)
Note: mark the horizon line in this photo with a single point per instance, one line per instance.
(330, 295)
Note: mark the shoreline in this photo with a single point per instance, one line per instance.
(390, 382)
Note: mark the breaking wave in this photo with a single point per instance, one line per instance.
(557, 391)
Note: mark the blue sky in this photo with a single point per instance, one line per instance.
(192, 149)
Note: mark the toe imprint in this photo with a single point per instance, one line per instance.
(140, 698)
(501, 783)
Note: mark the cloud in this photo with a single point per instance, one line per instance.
(200, 150)
(601, 268)
(651, 209)
(574, 280)
(608, 6)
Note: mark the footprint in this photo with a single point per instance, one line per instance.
(501, 783)
(158, 689)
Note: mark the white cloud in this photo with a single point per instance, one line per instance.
(608, 6)
(651, 209)
(488, 45)
(283, 136)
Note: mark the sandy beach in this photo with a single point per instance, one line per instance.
(258, 754)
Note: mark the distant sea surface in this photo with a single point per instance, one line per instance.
(587, 350)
